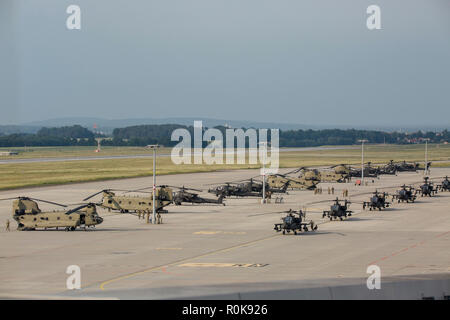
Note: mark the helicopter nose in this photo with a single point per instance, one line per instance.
(99, 220)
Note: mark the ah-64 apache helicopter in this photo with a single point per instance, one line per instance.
(234, 189)
(294, 222)
(377, 201)
(338, 210)
(30, 217)
(445, 185)
(257, 186)
(427, 189)
(405, 194)
(138, 204)
(185, 195)
(404, 166)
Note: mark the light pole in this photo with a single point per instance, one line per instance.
(425, 172)
(153, 147)
(362, 159)
(264, 144)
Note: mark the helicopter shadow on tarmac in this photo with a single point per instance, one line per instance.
(308, 234)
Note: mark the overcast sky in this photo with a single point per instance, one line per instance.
(308, 61)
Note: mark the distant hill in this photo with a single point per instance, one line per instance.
(107, 126)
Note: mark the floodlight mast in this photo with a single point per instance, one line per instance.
(425, 172)
(153, 147)
(264, 144)
(362, 141)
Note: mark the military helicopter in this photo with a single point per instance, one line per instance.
(445, 185)
(377, 201)
(183, 195)
(30, 217)
(230, 189)
(340, 173)
(405, 194)
(281, 181)
(257, 186)
(369, 171)
(407, 167)
(390, 168)
(139, 204)
(294, 222)
(427, 189)
(337, 210)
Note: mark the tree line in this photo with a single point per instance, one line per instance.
(161, 134)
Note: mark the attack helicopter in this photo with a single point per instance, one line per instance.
(230, 189)
(138, 204)
(183, 195)
(445, 185)
(405, 194)
(427, 189)
(404, 166)
(338, 210)
(390, 168)
(369, 171)
(294, 222)
(257, 186)
(29, 216)
(377, 201)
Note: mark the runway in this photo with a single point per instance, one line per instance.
(231, 251)
(145, 156)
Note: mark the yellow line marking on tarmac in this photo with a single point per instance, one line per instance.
(130, 275)
(223, 265)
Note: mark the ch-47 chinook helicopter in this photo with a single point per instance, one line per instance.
(293, 221)
(281, 181)
(340, 173)
(138, 204)
(30, 217)
(377, 201)
(338, 210)
(427, 188)
(405, 194)
(445, 185)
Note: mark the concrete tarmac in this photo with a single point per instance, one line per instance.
(232, 251)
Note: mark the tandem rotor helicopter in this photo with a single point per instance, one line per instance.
(135, 204)
(29, 216)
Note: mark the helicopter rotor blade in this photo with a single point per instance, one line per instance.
(77, 208)
(93, 195)
(50, 202)
(40, 200)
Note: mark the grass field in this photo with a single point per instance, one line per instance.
(49, 173)
(69, 152)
